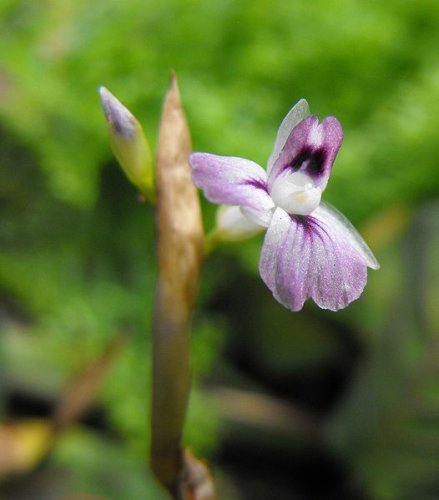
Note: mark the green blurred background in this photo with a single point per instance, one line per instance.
(336, 406)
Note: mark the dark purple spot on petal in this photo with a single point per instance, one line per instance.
(315, 165)
(309, 160)
(303, 156)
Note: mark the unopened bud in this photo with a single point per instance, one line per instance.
(129, 144)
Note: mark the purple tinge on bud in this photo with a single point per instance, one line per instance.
(310, 250)
(120, 119)
(129, 144)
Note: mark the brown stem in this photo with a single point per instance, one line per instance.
(180, 252)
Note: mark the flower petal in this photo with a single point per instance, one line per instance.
(260, 217)
(233, 225)
(339, 223)
(316, 256)
(311, 148)
(296, 114)
(231, 180)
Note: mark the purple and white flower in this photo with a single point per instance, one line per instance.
(310, 249)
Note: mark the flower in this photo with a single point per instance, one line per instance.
(310, 249)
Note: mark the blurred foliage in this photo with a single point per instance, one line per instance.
(241, 66)
(389, 424)
(77, 250)
(101, 468)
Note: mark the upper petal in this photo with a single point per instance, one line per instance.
(231, 181)
(296, 114)
(315, 256)
(311, 148)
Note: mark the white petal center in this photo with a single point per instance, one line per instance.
(296, 193)
(233, 224)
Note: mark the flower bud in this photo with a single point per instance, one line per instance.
(129, 144)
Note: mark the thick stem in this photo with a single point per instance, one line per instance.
(180, 251)
(171, 385)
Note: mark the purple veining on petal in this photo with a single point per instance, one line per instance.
(309, 257)
(256, 183)
(231, 180)
(309, 224)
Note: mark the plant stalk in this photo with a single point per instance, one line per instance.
(180, 255)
